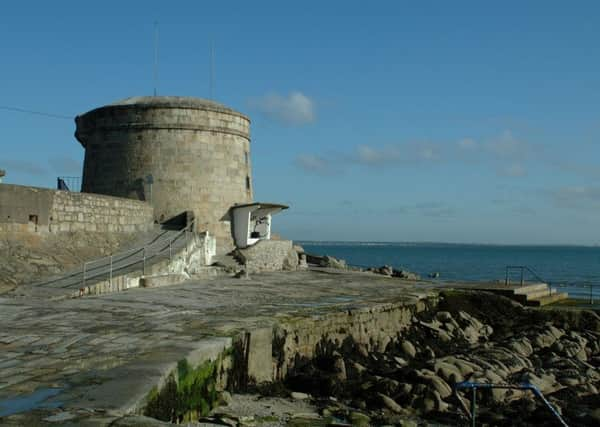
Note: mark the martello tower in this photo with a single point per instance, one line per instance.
(178, 153)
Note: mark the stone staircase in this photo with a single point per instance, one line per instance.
(534, 294)
(229, 262)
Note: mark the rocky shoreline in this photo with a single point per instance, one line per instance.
(470, 336)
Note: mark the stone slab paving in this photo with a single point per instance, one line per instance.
(104, 353)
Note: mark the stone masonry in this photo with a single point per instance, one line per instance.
(39, 210)
(196, 151)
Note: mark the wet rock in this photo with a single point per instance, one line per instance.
(390, 403)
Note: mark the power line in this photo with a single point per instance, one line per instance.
(39, 113)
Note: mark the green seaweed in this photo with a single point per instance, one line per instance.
(186, 395)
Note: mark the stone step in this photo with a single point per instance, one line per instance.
(551, 299)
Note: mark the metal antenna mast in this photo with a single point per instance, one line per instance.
(211, 77)
(155, 56)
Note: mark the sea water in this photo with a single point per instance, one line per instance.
(572, 269)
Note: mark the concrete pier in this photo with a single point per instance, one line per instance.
(98, 357)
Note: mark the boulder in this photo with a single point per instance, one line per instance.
(405, 274)
(409, 349)
(390, 403)
(448, 372)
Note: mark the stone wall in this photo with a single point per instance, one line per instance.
(96, 213)
(197, 152)
(268, 255)
(41, 210)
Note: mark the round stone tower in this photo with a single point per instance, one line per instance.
(178, 153)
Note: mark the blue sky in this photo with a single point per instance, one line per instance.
(386, 121)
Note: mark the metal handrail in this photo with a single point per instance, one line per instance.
(522, 268)
(131, 252)
(472, 413)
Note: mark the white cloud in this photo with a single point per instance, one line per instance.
(295, 108)
(395, 154)
(312, 163)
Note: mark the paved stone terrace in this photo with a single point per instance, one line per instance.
(106, 352)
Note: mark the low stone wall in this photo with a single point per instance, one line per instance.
(41, 210)
(269, 255)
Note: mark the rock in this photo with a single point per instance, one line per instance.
(340, 369)
(390, 403)
(404, 274)
(595, 415)
(443, 336)
(409, 349)
(448, 372)
(440, 386)
(242, 274)
(388, 386)
(543, 340)
(331, 262)
(470, 334)
(428, 353)
(444, 316)
(357, 369)
(225, 398)
(60, 417)
(362, 350)
(302, 263)
(358, 419)
(296, 395)
(400, 361)
(386, 270)
(521, 346)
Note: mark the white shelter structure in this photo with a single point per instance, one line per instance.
(252, 222)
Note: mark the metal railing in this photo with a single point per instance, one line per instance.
(522, 269)
(68, 183)
(473, 386)
(125, 259)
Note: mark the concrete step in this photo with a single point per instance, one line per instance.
(551, 299)
(540, 294)
(529, 288)
(227, 261)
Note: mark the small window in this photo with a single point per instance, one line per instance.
(248, 183)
